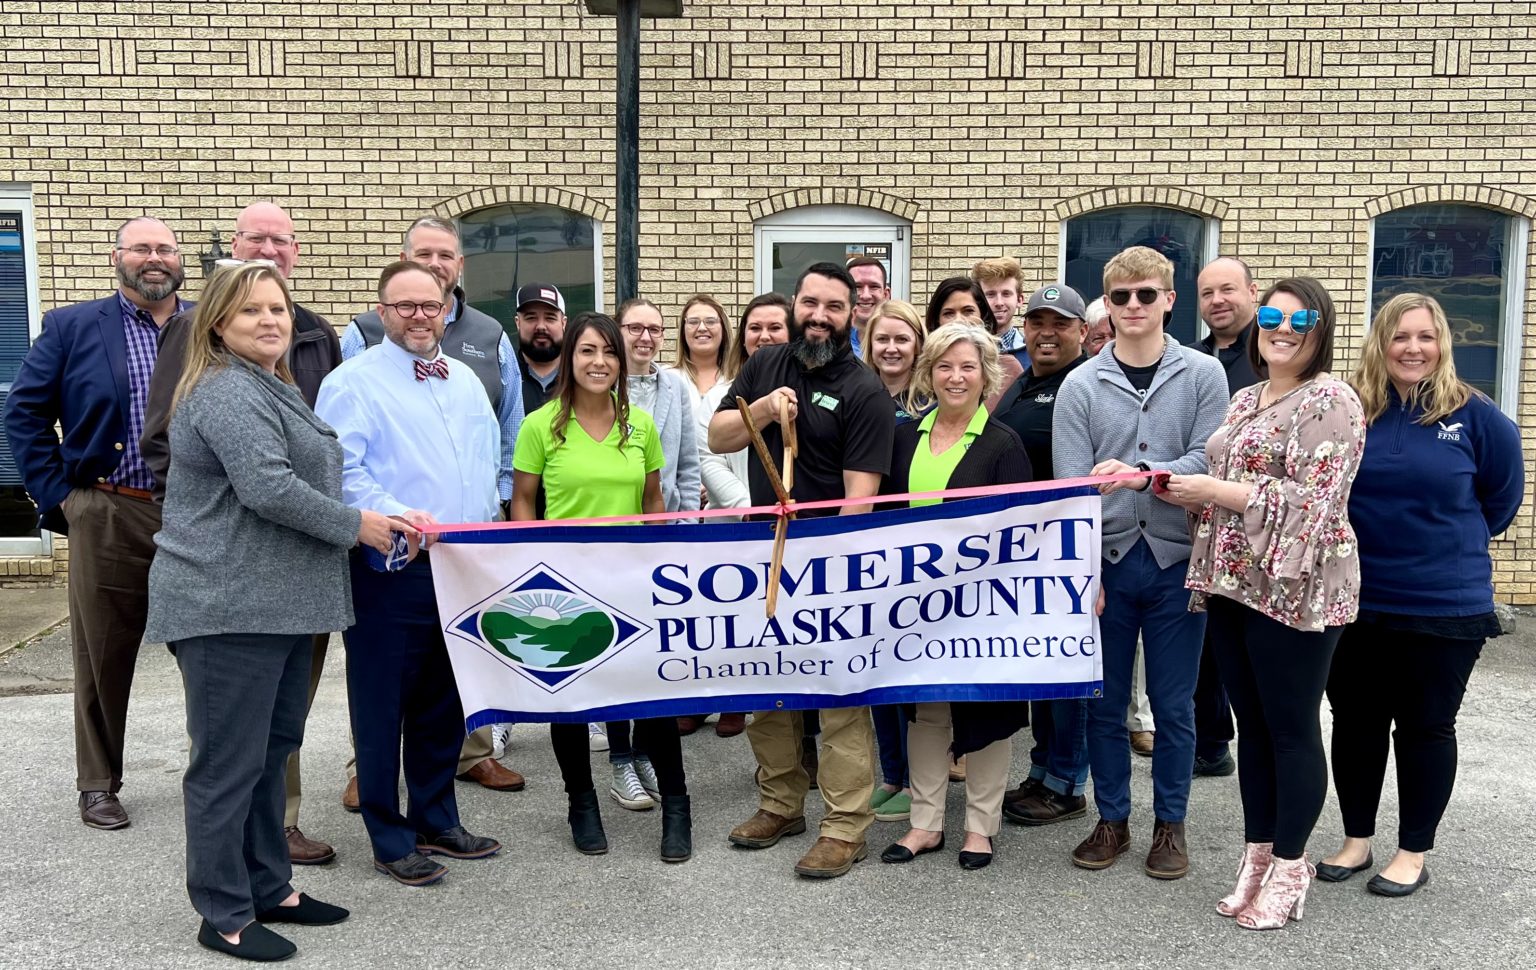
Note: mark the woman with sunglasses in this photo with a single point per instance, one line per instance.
(594, 455)
(1274, 565)
(1442, 475)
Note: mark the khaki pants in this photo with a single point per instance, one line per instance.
(1138, 715)
(986, 774)
(111, 544)
(477, 747)
(316, 668)
(846, 777)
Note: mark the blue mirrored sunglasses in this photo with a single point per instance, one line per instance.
(1270, 318)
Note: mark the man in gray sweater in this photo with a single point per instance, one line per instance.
(1144, 403)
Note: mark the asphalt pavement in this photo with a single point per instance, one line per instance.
(75, 897)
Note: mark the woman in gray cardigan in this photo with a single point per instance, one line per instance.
(251, 562)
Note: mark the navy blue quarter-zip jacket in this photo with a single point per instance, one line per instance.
(1426, 503)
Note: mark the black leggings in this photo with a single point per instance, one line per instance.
(1274, 675)
(1383, 676)
(656, 736)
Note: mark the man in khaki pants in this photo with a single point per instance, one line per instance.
(846, 424)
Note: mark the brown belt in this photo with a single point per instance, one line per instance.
(138, 493)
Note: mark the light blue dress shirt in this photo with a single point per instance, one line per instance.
(511, 410)
(407, 444)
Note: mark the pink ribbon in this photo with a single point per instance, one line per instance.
(780, 509)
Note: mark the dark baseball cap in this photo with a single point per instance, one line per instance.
(1063, 299)
(545, 293)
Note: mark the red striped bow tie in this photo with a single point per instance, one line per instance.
(438, 368)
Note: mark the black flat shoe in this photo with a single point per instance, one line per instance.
(896, 852)
(1396, 890)
(256, 943)
(975, 860)
(1331, 873)
(309, 912)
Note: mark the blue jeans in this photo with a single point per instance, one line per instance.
(1059, 758)
(1142, 598)
(891, 742)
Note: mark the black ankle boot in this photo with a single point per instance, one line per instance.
(676, 828)
(587, 824)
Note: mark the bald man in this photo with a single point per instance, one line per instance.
(262, 231)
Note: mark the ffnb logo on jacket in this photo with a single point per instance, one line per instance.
(1449, 432)
(471, 350)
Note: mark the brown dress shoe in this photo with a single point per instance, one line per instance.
(690, 723)
(830, 857)
(957, 769)
(102, 810)
(349, 799)
(491, 774)
(765, 829)
(1169, 856)
(1104, 844)
(304, 851)
(730, 725)
(1141, 742)
(1044, 806)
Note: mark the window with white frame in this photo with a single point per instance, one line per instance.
(508, 246)
(20, 320)
(1472, 260)
(787, 242)
(1188, 239)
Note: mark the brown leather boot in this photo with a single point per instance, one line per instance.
(765, 829)
(1104, 844)
(830, 857)
(349, 800)
(1168, 857)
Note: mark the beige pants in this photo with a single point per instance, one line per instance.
(1138, 715)
(295, 789)
(477, 747)
(847, 768)
(986, 774)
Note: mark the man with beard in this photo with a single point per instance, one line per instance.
(477, 341)
(1054, 327)
(263, 231)
(845, 422)
(871, 289)
(89, 373)
(540, 335)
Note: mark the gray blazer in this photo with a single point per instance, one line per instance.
(1099, 416)
(679, 431)
(254, 535)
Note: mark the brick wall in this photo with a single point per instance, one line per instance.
(985, 124)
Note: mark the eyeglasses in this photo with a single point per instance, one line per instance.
(702, 323)
(278, 240)
(409, 308)
(1145, 295)
(142, 251)
(1270, 318)
(636, 329)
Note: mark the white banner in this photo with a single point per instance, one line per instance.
(984, 599)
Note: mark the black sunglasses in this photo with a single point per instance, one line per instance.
(1145, 295)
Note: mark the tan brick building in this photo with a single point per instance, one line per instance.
(1377, 146)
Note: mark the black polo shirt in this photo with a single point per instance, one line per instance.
(1234, 359)
(846, 422)
(1027, 406)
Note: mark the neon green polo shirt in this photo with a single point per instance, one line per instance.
(584, 478)
(930, 472)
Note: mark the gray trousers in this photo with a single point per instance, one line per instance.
(246, 698)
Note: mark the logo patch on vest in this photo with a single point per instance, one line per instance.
(469, 350)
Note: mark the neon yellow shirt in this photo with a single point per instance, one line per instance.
(584, 478)
(930, 472)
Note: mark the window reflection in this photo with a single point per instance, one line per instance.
(506, 246)
(1094, 237)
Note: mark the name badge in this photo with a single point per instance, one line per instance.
(825, 400)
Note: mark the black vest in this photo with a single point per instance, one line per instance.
(472, 339)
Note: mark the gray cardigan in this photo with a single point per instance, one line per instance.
(1099, 416)
(675, 423)
(254, 535)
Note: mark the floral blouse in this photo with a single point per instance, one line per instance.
(1291, 553)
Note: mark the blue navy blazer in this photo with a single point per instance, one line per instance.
(75, 375)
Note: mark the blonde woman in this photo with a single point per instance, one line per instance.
(251, 561)
(892, 343)
(957, 445)
(1441, 476)
(703, 347)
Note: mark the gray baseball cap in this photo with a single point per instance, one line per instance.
(1063, 299)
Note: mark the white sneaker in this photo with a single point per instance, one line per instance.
(500, 734)
(627, 790)
(597, 737)
(647, 776)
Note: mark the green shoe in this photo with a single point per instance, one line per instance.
(897, 808)
(880, 797)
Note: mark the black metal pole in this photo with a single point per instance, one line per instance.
(627, 269)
